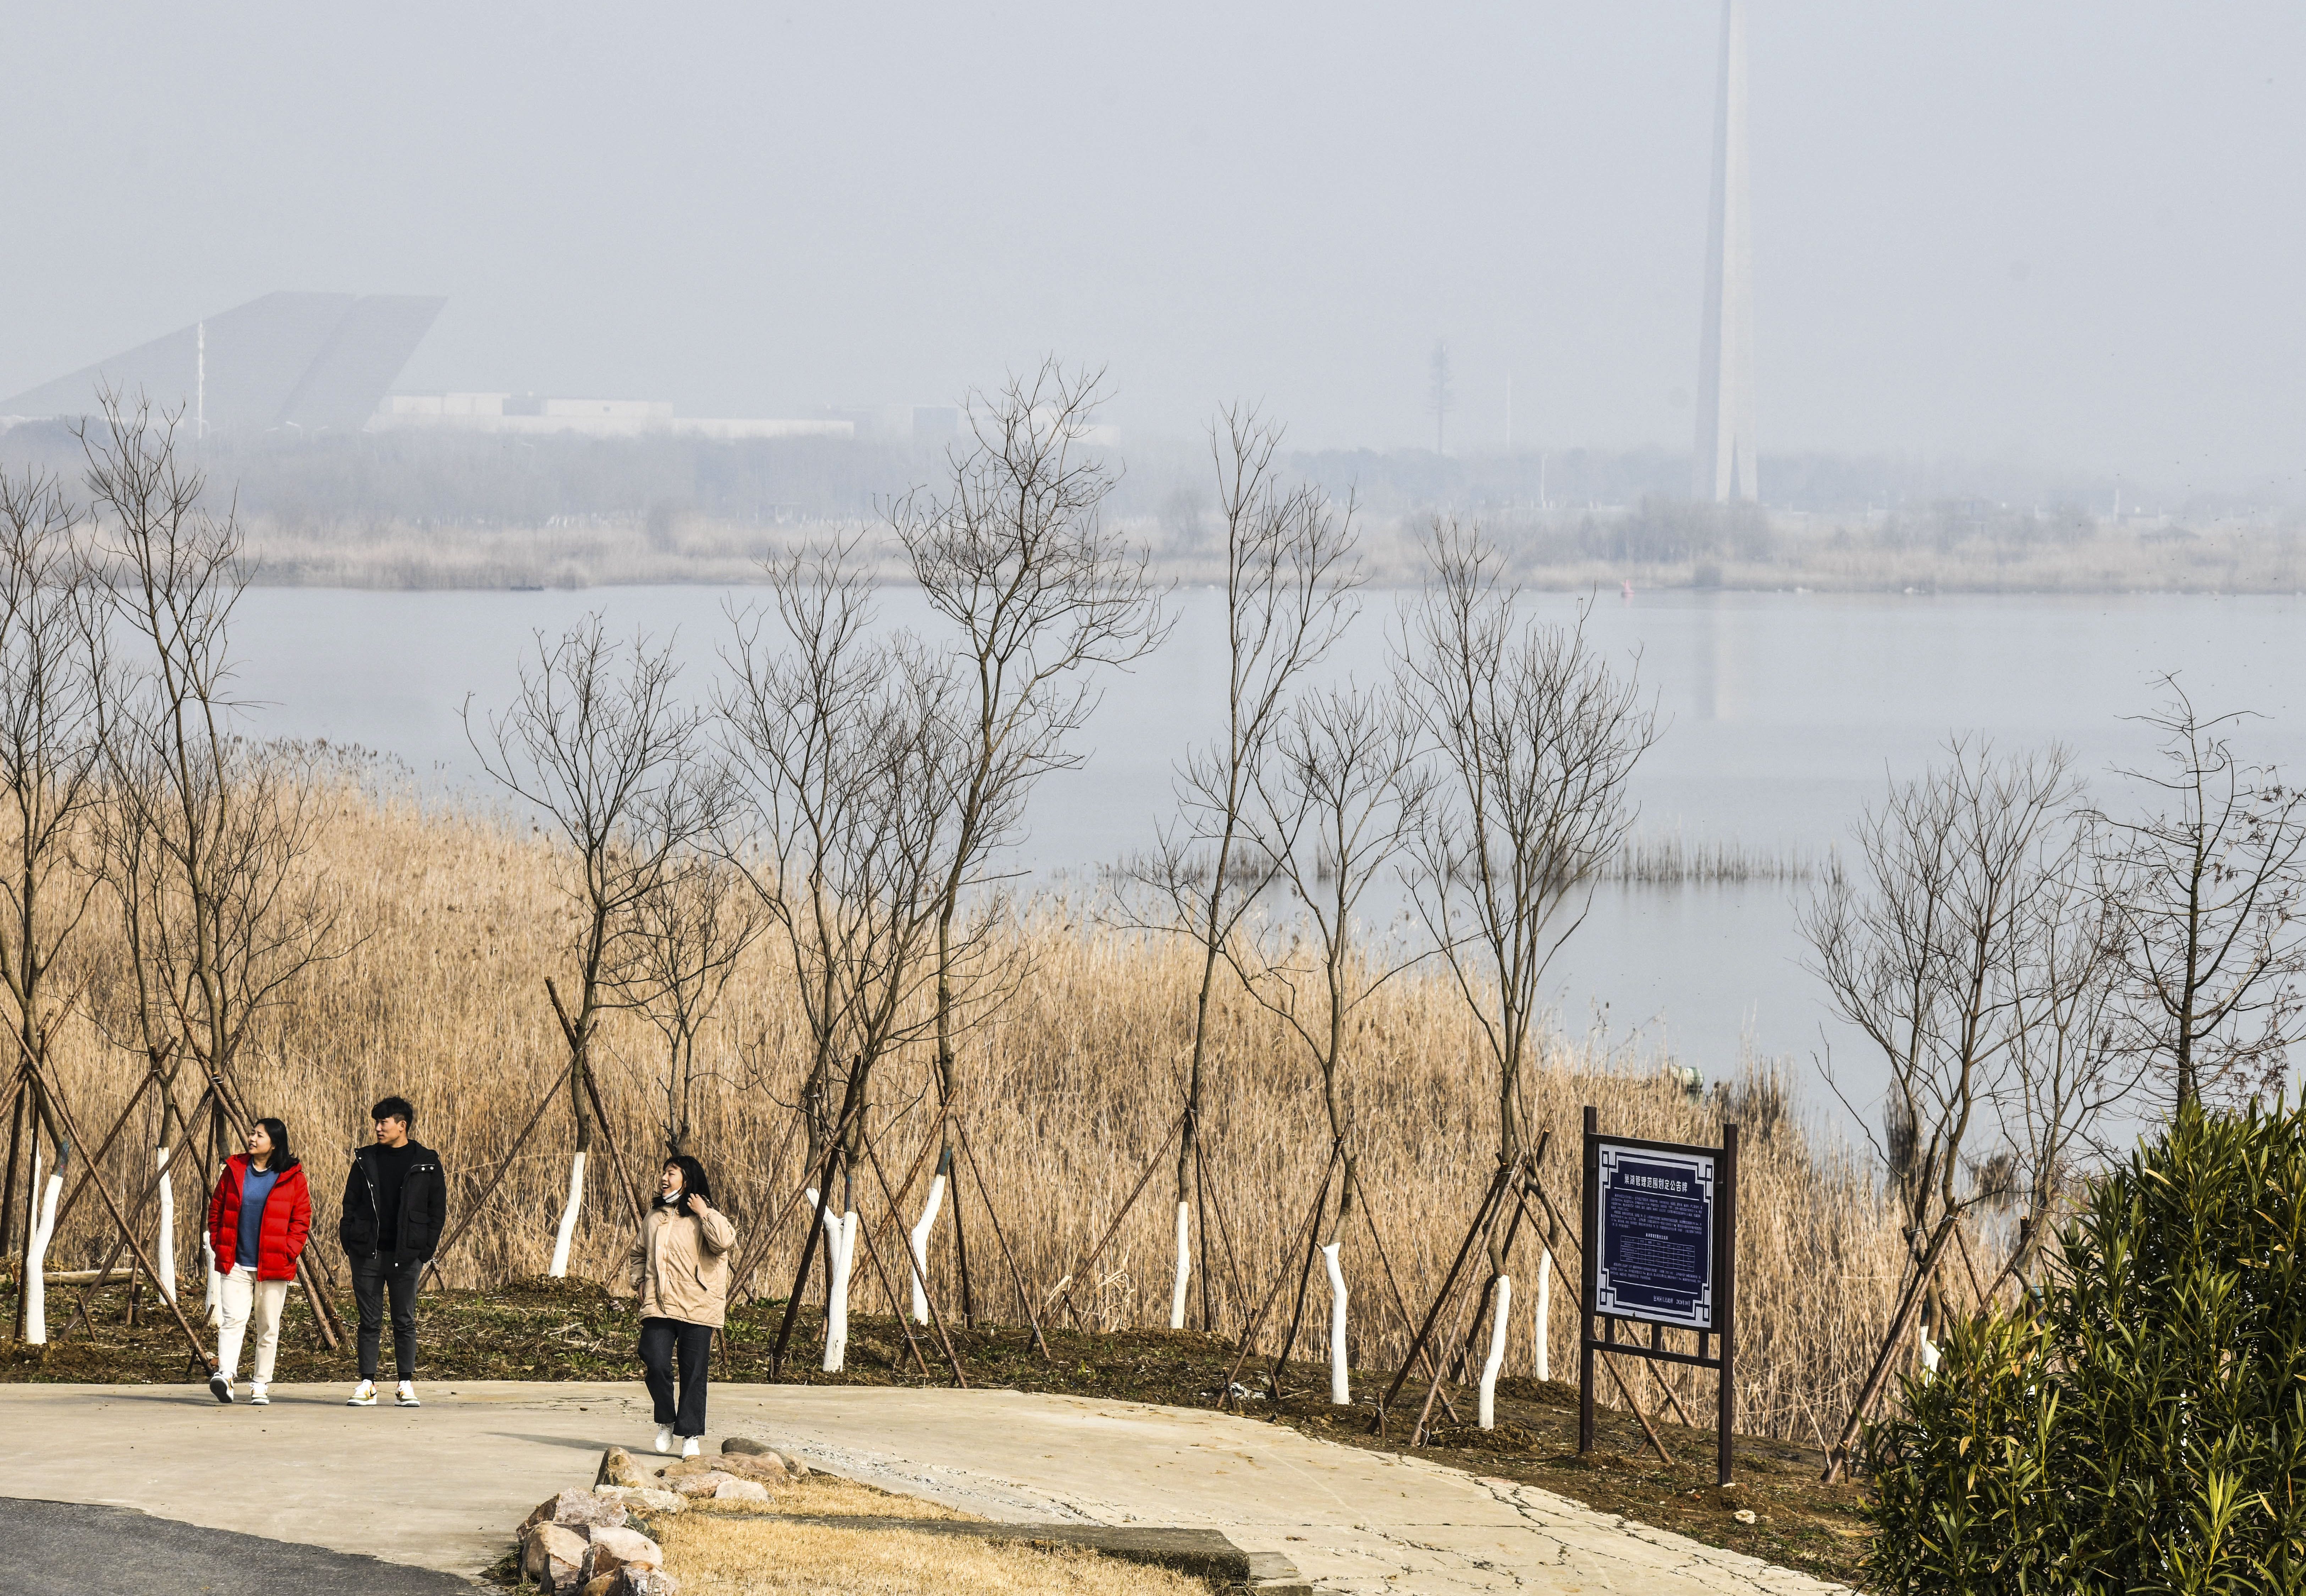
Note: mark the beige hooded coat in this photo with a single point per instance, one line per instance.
(680, 1265)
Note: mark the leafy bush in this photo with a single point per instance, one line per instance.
(2143, 1427)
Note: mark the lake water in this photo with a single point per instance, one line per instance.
(1784, 715)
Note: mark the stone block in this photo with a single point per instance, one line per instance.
(769, 1470)
(618, 1468)
(740, 1490)
(552, 1556)
(643, 1498)
(612, 1550)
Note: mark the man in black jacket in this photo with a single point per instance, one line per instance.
(395, 1201)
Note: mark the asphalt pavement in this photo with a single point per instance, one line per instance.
(118, 1552)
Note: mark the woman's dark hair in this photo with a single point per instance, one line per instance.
(692, 1178)
(282, 1159)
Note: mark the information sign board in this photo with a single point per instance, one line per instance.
(1655, 1212)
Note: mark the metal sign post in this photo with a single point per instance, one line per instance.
(1660, 1247)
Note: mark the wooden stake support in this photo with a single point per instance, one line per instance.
(1016, 1275)
(503, 1169)
(1114, 1229)
(104, 1190)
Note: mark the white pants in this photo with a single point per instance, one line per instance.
(242, 1291)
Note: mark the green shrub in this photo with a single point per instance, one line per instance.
(2143, 1427)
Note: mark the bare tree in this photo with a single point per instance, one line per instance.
(598, 742)
(205, 834)
(2069, 1070)
(1013, 553)
(2206, 892)
(1290, 578)
(1940, 958)
(690, 929)
(1538, 738)
(1337, 802)
(50, 765)
(848, 752)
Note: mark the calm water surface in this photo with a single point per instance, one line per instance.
(1784, 715)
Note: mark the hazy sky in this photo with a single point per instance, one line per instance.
(2069, 233)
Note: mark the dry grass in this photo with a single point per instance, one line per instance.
(828, 1495)
(714, 1555)
(1069, 1095)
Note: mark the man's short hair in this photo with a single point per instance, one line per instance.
(395, 1108)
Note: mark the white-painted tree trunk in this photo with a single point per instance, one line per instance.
(1341, 1385)
(921, 1242)
(164, 1233)
(1500, 1317)
(1544, 1311)
(43, 1218)
(839, 1247)
(213, 1283)
(1184, 1266)
(1930, 1356)
(568, 1212)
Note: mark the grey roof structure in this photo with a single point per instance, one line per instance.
(314, 361)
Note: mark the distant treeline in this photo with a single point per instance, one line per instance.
(423, 479)
(427, 480)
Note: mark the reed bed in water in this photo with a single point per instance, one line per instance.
(454, 919)
(1646, 860)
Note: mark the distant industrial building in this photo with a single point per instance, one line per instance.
(325, 363)
(587, 418)
(315, 362)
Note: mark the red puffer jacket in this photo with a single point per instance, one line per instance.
(287, 1220)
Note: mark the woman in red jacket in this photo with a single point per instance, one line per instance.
(258, 1217)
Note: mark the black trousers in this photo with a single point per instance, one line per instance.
(374, 1277)
(660, 1339)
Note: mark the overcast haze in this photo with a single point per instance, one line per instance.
(2070, 233)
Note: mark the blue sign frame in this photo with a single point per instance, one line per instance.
(1655, 1213)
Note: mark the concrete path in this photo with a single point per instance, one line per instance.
(442, 1487)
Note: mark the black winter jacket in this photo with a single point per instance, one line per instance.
(423, 1209)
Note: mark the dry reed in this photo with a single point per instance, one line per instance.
(456, 918)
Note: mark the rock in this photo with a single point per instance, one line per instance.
(740, 1490)
(577, 1509)
(687, 1465)
(769, 1470)
(699, 1485)
(618, 1468)
(643, 1498)
(612, 1550)
(552, 1555)
(1743, 1516)
(645, 1582)
(747, 1445)
(603, 1584)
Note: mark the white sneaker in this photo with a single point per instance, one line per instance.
(664, 1440)
(259, 1395)
(690, 1448)
(220, 1386)
(363, 1396)
(406, 1397)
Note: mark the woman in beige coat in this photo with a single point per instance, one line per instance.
(680, 1269)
